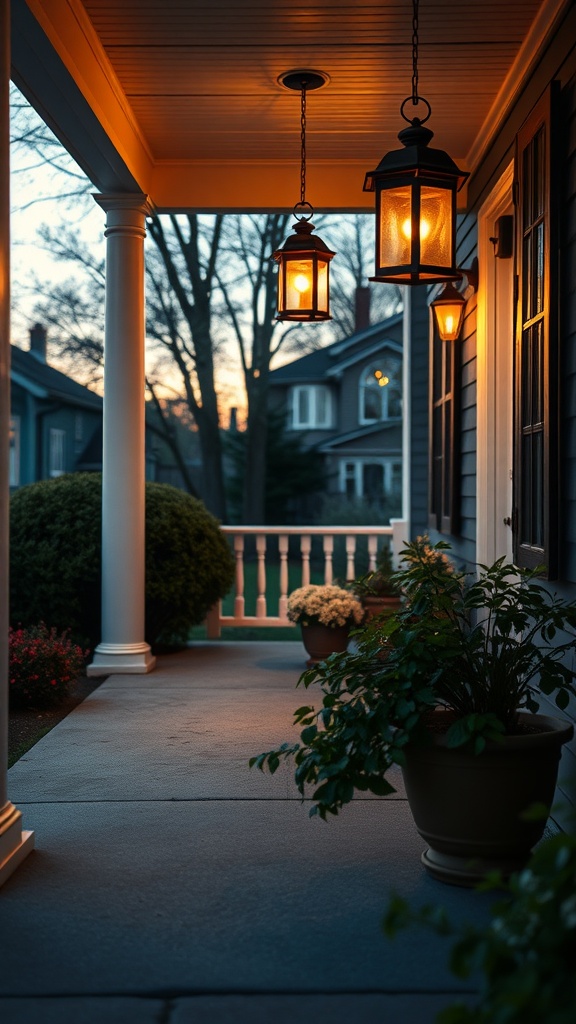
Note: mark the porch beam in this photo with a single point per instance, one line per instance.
(123, 648)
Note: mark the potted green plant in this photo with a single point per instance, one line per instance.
(447, 688)
(326, 613)
(377, 591)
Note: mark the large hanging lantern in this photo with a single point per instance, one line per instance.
(304, 259)
(415, 200)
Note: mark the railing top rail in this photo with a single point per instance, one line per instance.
(321, 531)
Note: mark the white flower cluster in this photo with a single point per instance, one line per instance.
(327, 604)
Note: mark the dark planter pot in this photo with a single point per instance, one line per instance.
(383, 605)
(469, 808)
(321, 641)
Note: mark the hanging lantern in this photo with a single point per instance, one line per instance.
(415, 200)
(448, 311)
(304, 259)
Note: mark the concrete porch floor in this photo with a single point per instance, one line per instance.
(172, 884)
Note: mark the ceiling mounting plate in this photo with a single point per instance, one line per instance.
(303, 78)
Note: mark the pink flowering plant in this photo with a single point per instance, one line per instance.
(42, 664)
(326, 604)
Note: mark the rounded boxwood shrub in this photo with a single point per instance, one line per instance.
(55, 558)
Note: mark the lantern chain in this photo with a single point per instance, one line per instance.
(303, 145)
(415, 97)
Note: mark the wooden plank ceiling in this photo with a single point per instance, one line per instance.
(199, 77)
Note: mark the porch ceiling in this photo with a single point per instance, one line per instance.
(181, 99)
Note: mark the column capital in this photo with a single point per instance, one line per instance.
(136, 202)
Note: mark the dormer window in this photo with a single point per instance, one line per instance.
(381, 391)
(311, 407)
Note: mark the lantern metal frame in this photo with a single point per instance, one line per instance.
(415, 188)
(304, 256)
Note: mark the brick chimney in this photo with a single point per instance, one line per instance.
(38, 335)
(362, 308)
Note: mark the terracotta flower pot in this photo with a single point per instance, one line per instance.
(469, 807)
(321, 641)
(380, 605)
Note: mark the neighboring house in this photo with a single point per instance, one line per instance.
(55, 423)
(346, 400)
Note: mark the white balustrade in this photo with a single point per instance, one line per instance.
(276, 539)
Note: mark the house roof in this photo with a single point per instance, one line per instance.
(360, 434)
(44, 381)
(328, 361)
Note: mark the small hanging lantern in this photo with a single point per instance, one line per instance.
(304, 259)
(415, 200)
(448, 309)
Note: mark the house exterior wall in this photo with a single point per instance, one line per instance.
(558, 64)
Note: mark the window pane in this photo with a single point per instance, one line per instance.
(537, 490)
(372, 480)
(321, 417)
(372, 403)
(526, 411)
(303, 415)
(526, 496)
(537, 373)
(14, 456)
(538, 270)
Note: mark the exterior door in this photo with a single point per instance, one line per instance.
(494, 536)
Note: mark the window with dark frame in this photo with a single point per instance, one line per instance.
(444, 506)
(535, 430)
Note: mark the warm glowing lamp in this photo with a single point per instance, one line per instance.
(304, 259)
(448, 311)
(415, 190)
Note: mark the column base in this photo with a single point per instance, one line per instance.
(15, 844)
(112, 659)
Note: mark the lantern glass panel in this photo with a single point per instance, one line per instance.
(435, 226)
(299, 280)
(323, 286)
(395, 227)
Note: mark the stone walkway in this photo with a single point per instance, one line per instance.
(172, 884)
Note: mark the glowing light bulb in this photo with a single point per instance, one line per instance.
(301, 283)
(424, 229)
(383, 381)
(450, 324)
(377, 374)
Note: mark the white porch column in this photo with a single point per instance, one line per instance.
(14, 843)
(123, 648)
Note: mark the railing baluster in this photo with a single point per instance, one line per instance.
(350, 552)
(305, 546)
(395, 534)
(328, 552)
(372, 552)
(239, 555)
(261, 576)
(283, 552)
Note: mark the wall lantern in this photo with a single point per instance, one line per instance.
(450, 305)
(415, 200)
(304, 259)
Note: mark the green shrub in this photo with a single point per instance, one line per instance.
(41, 666)
(55, 558)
